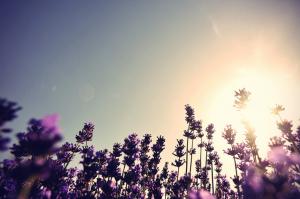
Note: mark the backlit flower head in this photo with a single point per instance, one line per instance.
(229, 134)
(210, 131)
(241, 98)
(189, 114)
(86, 133)
(277, 109)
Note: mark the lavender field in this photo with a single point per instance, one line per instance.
(40, 164)
(160, 99)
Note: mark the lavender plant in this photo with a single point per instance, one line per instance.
(8, 112)
(42, 167)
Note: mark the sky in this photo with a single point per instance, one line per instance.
(131, 66)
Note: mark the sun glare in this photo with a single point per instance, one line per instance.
(257, 113)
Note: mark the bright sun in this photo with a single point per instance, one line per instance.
(264, 95)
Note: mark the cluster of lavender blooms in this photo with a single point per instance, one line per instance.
(40, 165)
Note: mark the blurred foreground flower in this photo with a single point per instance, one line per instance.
(278, 155)
(8, 112)
(40, 138)
(200, 194)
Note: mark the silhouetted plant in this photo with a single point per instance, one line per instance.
(242, 97)
(179, 153)
(40, 168)
(8, 112)
(189, 118)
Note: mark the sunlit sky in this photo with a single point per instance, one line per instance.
(131, 66)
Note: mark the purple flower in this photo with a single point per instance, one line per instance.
(157, 148)
(117, 150)
(135, 169)
(179, 153)
(39, 140)
(242, 98)
(189, 134)
(260, 185)
(286, 128)
(3, 143)
(277, 109)
(67, 152)
(253, 184)
(165, 172)
(210, 131)
(229, 134)
(131, 149)
(189, 112)
(278, 155)
(51, 122)
(8, 112)
(144, 153)
(276, 142)
(197, 126)
(209, 146)
(86, 133)
(236, 149)
(200, 194)
(132, 176)
(112, 168)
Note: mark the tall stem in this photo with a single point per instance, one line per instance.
(201, 153)
(178, 169)
(66, 165)
(254, 157)
(205, 181)
(177, 173)
(212, 178)
(205, 159)
(200, 159)
(191, 157)
(236, 174)
(187, 155)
